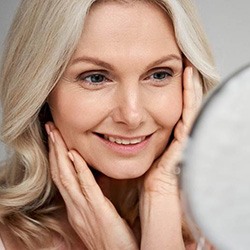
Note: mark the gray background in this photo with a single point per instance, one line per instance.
(225, 21)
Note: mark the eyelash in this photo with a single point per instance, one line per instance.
(83, 76)
(163, 73)
(166, 73)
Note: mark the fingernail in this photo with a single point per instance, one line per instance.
(52, 137)
(71, 157)
(47, 128)
(191, 71)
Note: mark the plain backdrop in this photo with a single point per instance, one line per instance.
(225, 21)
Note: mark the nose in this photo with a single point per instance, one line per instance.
(129, 109)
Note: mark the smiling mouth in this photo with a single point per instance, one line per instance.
(123, 141)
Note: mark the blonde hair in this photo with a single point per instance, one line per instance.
(41, 41)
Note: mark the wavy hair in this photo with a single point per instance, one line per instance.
(41, 41)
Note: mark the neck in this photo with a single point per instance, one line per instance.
(116, 190)
(124, 195)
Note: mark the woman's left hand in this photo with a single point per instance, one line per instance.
(159, 200)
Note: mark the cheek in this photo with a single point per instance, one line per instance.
(172, 112)
(169, 107)
(74, 113)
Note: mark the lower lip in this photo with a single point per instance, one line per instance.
(129, 149)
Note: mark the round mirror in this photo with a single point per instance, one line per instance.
(215, 175)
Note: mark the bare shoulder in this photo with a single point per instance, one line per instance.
(4, 238)
(8, 241)
(2, 247)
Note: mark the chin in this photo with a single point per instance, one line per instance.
(123, 171)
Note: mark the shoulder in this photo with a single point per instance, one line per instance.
(7, 240)
(1, 244)
(2, 247)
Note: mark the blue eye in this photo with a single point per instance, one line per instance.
(161, 75)
(94, 79)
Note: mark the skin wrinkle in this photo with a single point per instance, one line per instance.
(134, 99)
(128, 105)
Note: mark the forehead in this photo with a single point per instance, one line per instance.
(129, 27)
(136, 7)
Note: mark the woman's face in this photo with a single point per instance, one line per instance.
(121, 94)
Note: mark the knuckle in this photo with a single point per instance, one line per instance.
(54, 175)
(65, 182)
(81, 171)
(87, 190)
(74, 221)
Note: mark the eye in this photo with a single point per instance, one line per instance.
(93, 79)
(160, 75)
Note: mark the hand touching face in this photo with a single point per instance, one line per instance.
(121, 94)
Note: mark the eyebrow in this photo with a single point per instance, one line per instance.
(171, 57)
(92, 60)
(98, 62)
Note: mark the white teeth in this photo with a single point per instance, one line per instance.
(112, 139)
(124, 141)
(119, 141)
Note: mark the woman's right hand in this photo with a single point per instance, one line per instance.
(90, 213)
(160, 210)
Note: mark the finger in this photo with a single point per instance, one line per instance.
(196, 82)
(171, 156)
(67, 173)
(75, 176)
(162, 176)
(198, 87)
(55, 173)
(88, 184)
(52, 157)
(62, 170)
(192, 95)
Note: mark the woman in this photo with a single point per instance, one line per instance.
(97, 99)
